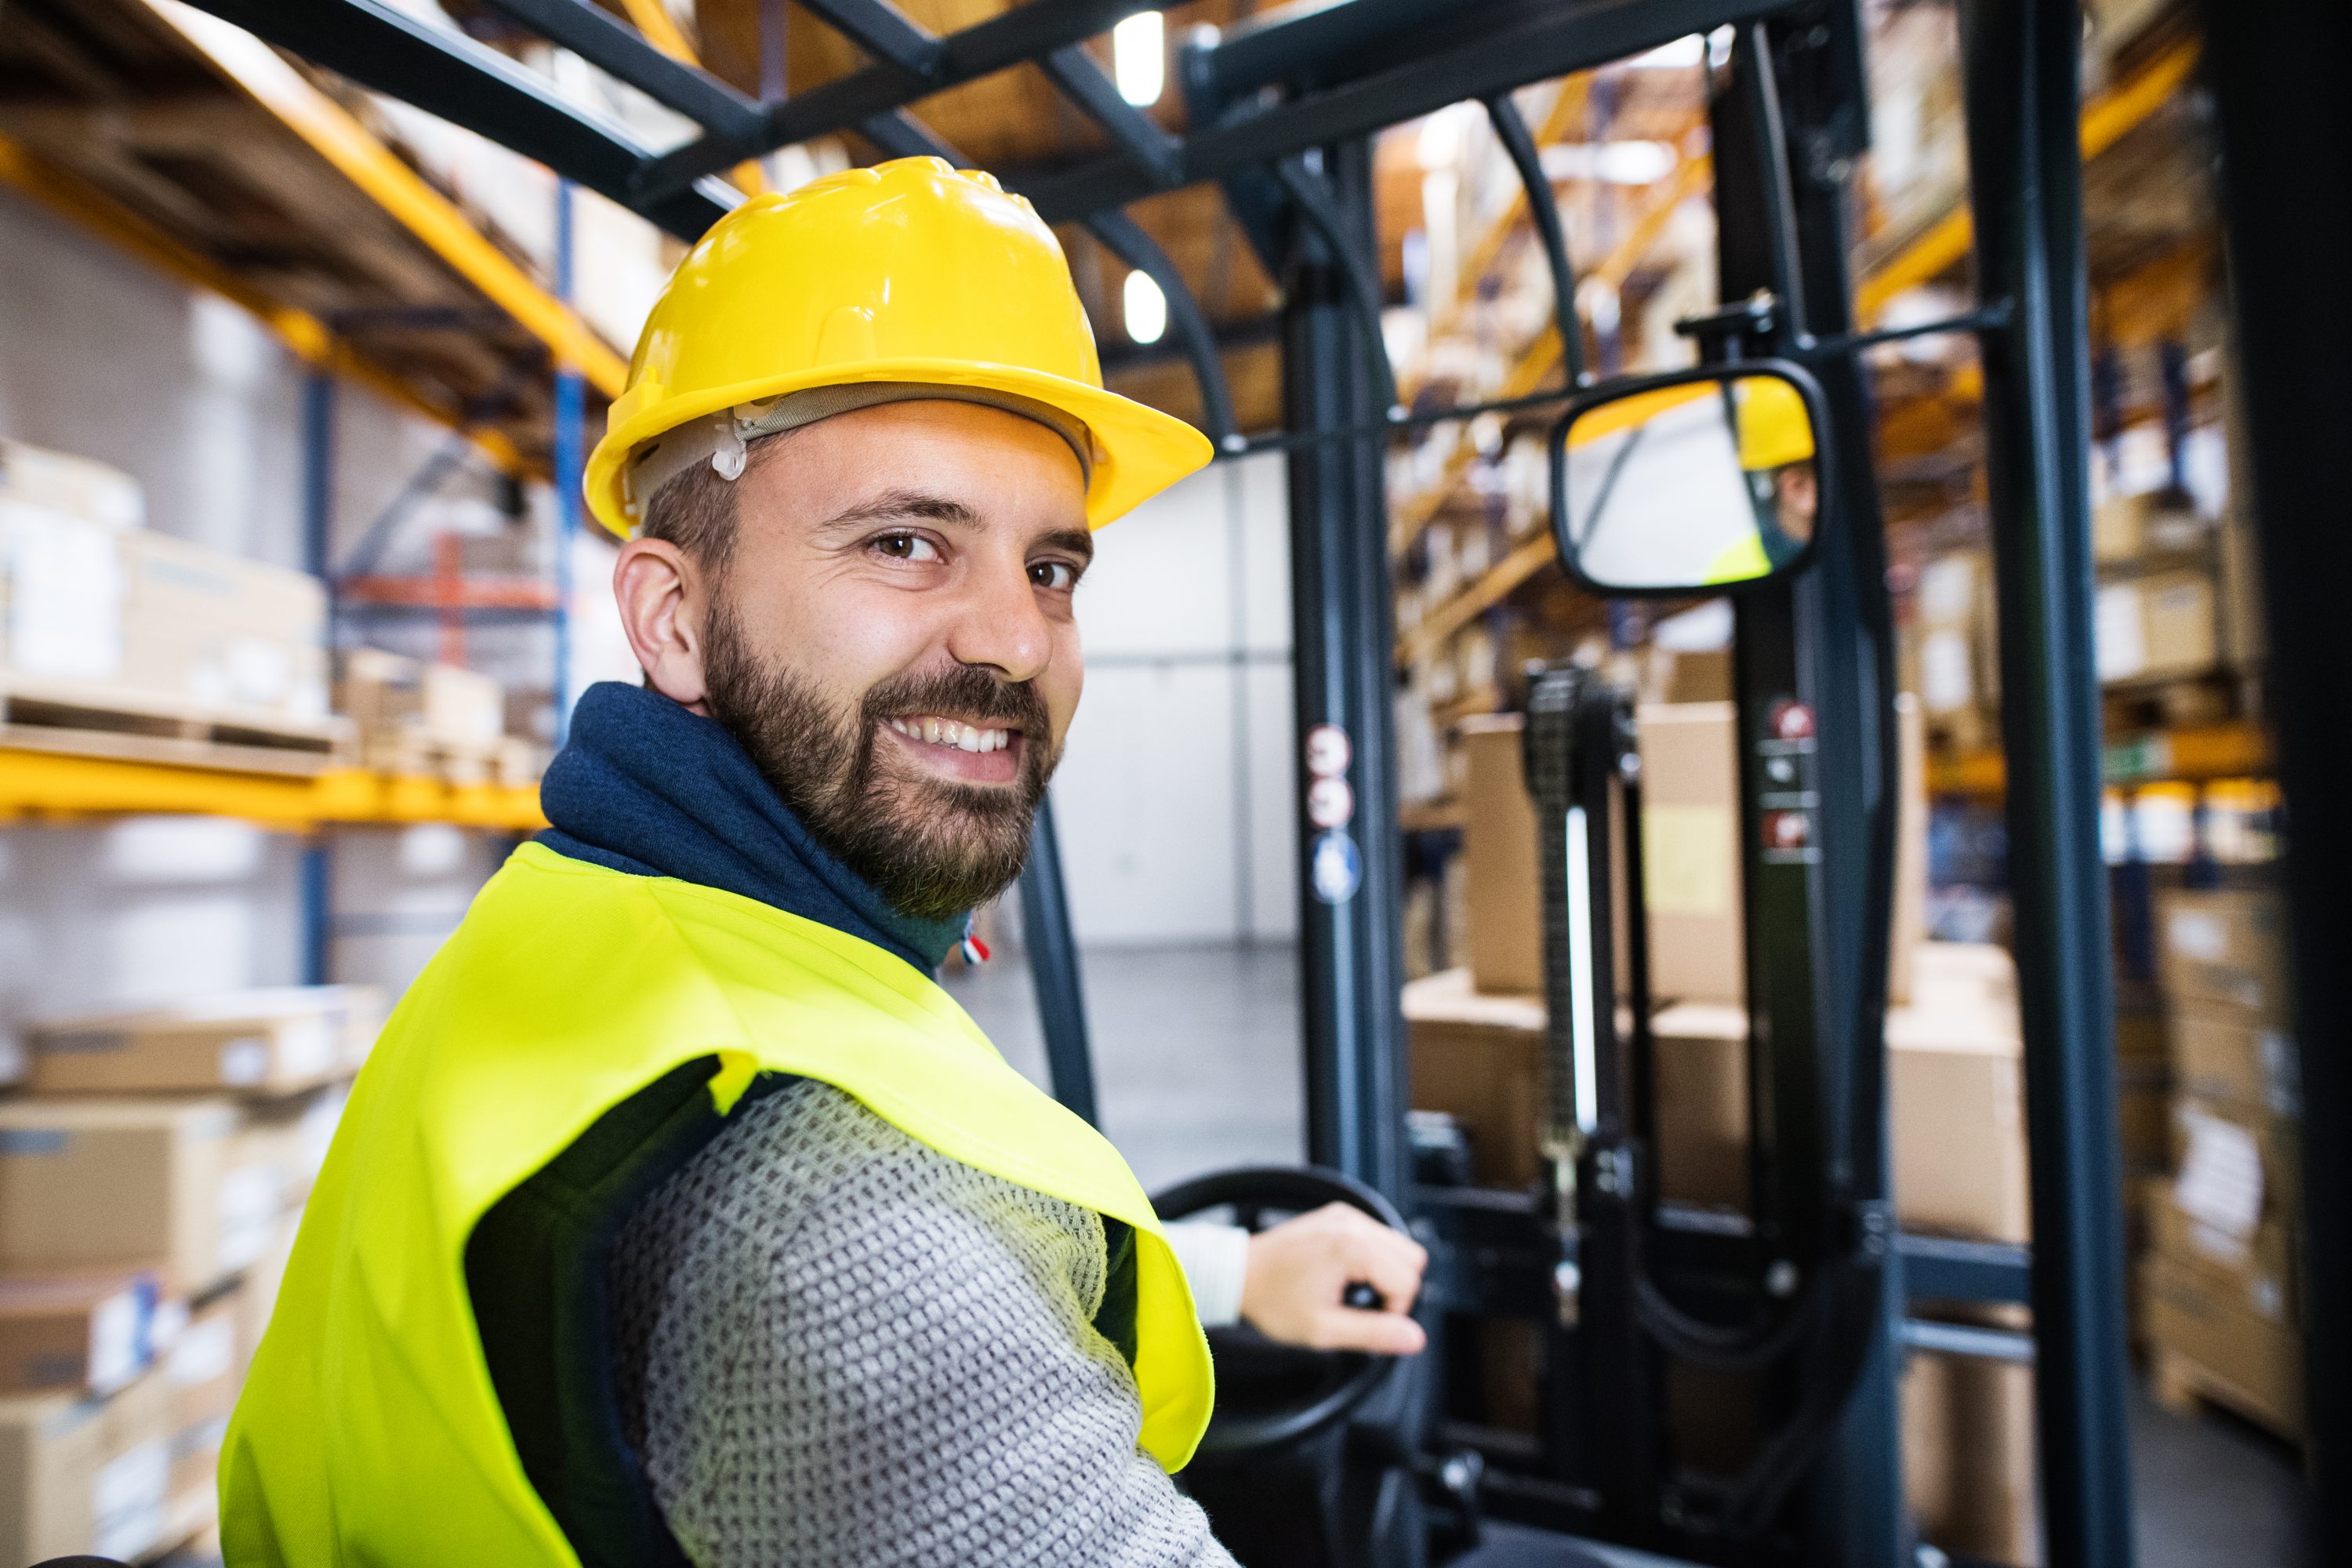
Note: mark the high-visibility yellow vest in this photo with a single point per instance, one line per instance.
(369, 1430)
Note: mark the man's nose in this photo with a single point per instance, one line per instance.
(999, 624)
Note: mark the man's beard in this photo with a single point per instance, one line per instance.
(931, 846)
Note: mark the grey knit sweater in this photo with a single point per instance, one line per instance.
(842, 1349)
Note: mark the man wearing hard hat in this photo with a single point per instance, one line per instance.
(1775, 436)
(679, 1216)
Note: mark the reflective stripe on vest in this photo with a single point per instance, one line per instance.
(369, 1430)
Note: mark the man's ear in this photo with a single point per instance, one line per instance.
(663, 606)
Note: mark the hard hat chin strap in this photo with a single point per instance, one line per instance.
(724, 439)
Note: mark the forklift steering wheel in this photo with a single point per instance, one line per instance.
(1270, 1395)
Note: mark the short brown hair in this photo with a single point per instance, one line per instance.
(695, 512)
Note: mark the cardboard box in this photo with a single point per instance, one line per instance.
(2224, 946)
(221, 630)
(2154, 522)
(2156, 627)
(84, 1476)
(1690, 847)
(77, 487)
(382, 692)
(203, 1374)
(2144, 1115)
(257, 1295)
(80, 1333)
(2256, 1270)
(2220, 1053)
(158, 1184)
(1701, 1058)
(2210, 1343)
(294, 1134)
(1690, 852)
(1499, 856)
(1968, 1456)
(462, 705)
(1956, 1097)
(1958, 651)
(1696, 675)
(2235, 1165)
(61, 595)
(275, 1041)
(1479, 1057)
(1907, 924)
(2141, 1030)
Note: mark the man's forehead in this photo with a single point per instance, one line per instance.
(954, 464)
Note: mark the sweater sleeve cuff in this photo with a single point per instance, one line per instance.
(1215, 1259)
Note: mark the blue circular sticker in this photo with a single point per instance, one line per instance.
(1336, 866)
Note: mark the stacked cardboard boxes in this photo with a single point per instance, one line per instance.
(432, 718)
(150, 1174)
(1950, 652)
(1955, 1066)
(2217, 1291)
(104, 616)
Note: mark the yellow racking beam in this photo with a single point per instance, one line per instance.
(36, 785)
(2106, 119)
(377, 170)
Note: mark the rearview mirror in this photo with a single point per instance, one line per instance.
(1699, 482)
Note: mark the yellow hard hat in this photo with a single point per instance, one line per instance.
(1775, 429)
(909, 272)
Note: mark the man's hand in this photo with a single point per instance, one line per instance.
(1300, 1269)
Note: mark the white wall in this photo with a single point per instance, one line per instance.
(1174, 799)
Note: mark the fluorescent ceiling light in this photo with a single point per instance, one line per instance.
(1144, 308)
(1612, 163)
(1681, 54)
(1139, 58)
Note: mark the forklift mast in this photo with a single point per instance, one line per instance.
(1812, 1298)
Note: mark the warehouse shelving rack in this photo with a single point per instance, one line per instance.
(1281, 111)
(40, 785)
(1936, 251)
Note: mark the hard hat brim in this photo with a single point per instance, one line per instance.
(1138, 450)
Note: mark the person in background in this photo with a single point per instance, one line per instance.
(680, 1217)
(1775, 439)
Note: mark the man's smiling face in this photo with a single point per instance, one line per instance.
(888, 631)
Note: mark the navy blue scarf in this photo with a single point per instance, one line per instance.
(646, 787)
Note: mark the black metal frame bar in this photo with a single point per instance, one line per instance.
(1024, 33)
(2275, 71)
(1053, 947)
(1519, 144)
(2021, 66)
(1350, 944)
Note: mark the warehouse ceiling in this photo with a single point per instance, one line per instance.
(109, 114)
(109, 102)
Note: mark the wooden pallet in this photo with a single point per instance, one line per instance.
(503, 761)
(2187, 1387)
(99, 719)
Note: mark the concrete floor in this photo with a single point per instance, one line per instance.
(1196, 1059)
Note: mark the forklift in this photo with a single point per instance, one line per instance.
(1659, 491)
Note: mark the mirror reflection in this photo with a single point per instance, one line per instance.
(1702, 484)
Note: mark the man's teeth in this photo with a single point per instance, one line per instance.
(953, 733)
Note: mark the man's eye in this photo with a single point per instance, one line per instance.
(907, 547)
(1057, 575)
